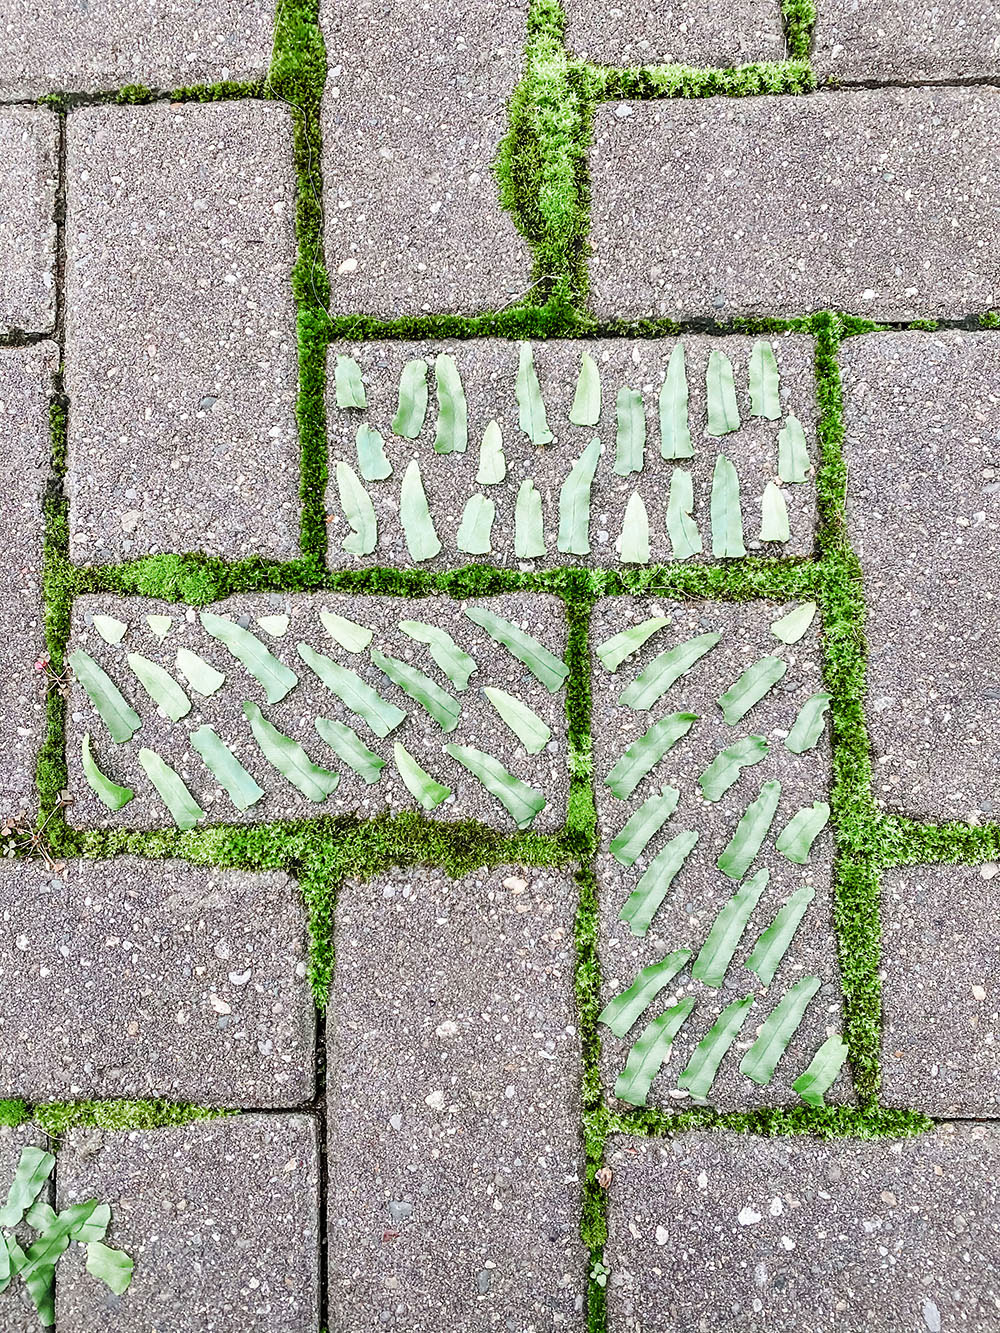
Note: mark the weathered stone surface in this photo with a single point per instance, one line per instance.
(727, 1232)
(29, 139)
(543, 617)
(700, 889)
(881, 203)
(132, 978)
(181, 356)
(454, 1155)
(221, 1218)
(413, 115)
(895, 40)
(17, 1311)
(661, 32)
(922, 415)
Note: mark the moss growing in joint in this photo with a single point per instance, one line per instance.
(58, 1118)
(799, 20)
(648, 82)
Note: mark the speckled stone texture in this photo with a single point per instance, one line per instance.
(221, 1218)
(940, 989)
(75, 46)
(454, 1155)
(664, 32)
(29, 138)
(488, 370)
(881, 203)
(700, 889)
(132, 978)
(729, 1233)
(897, 40)
(413, 115)
(922, 416)
(17, 1311)
(541, 616)
(180, 331)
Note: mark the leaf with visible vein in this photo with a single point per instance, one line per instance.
(790, 628)
(346, 634)
(774, 515)
(699, 1074)
(454, 661)
(613, 652)
(452, 433)
(492, 464)
(160, 686)
(415, 516)
(33, 1169)
(822, 1073)
(726, 931)
(649, 1054)
(634, 545)
(184, 810)
(521, 801)
(199, 674)
(797, 837)
(87, 1229)
(647, 897)
(349, 385)
(242, 789)
(638, 831)
(289, 758)
(646, 752)
(550, 670)
(727, 765)
(772, 943)
(726, 514)
(353, 692)
(586, 409)
(793, 452)
(809, 723)
(630, 441)
(476, 527)
(120, 718)
(765, 397)
(274, 676)
(427, 693)
(531, 408)
(529, 534)
(112, 1267)
(347, 745)
(751, 687)
(675, 433)
(108, 792)
(523, 721)
(372, 462)
(751, 831)
(664, 670)
(685, 539)
(723, 414)
(412, 406)
(777, 1030)
(624, 1010)
(574, 502)
(424, 789)
(110, 629)
(358, 510)
(45, 1252)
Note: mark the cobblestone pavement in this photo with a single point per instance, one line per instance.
(500, 666)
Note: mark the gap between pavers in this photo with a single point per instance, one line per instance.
(29, 138)
(706, 32)
(896, 41)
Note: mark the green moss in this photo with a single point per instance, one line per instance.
(799, 20)
(57, 1118)
(660, 81)
(13, 1113)
(830, 1122)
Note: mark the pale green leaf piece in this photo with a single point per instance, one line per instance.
(797, 837)
(289, 758)
(774, 515)
(523, 721)
(727, 765)
(790, 628)
(649, 1054)
(454, 661)
(793, 452)
(412, 406)
(630, 441)
(634, 544)
(675, 433)
(664, 670)
(809, 723)
(452, 434)
(726, 931)
(765, 398)
(529, 534)
(346, 634)
(184, 809)
(613, 652)
(772, 943)
(492, 464)
(199, 674)
(699, 1074)
(751, 831)
(275, 678)
(160, 686)
(108, 792)
(10, 1263)
(638, 831)
(41, 1215)
(427, 693)
(415, 515)
(111, 630)
(43, 1255)
(347, 745)
(723, 414)
(521, 801)
(822, 1073)
(33, 1169)
(349, 385)
(88, 1229)
(777, 1030)
(424, 789)
(358, 510)
(685, 539)
(276, 626)
(531, 408)
(353, 692)
(243, 789)
(40, 1281)
(586, 409)
(548, 669)
(751, 687)
(574, 503)
(646, 752)
(120, 718)
(625, 1009)
(647, 897)
(726, 513)
(112, 1267)
(476, 528)
(372, 462)
(160, 626)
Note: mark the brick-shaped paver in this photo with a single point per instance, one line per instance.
(699, 889)
(180, 331)
(370, 674)
(631, 378)
(29, 139)
(133, 978)
(413, 115)
(855, 42)
(940, 989)
(221, 1218)
(17, 1311)
(69, 47)
(660, 32)
(727, 1232)
(764, 205)
(922, 414)
(453, 1144)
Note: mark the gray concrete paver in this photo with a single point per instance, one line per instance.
(29, 138)
(664, 32)
(896, 41)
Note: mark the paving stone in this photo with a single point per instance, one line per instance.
(726, 1232)
(17, 1311)
(68, 46)
(221, 1218)
(413, 115)
(882, 203)
(454, 1155)
(700, 889)
(662, 32)
(180, 329)
(29, 140)
(854, 41)
(132, 978)
(922, 414)
(543, 617)
(488, 370)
